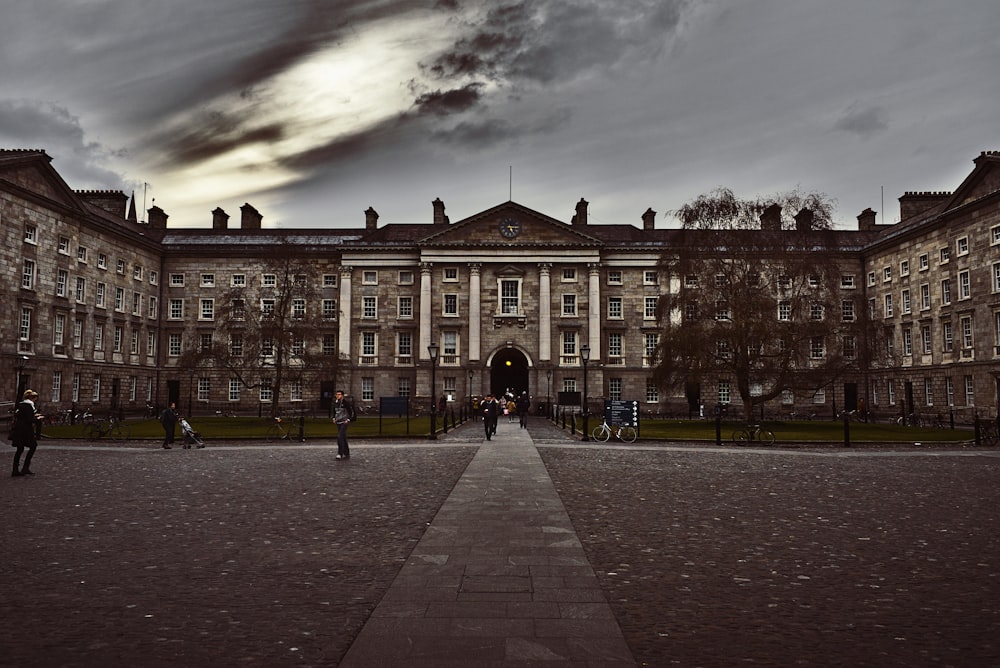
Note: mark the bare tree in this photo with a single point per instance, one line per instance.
(757, 299)
(271, 333)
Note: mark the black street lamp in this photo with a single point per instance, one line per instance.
(585, 356)
(470, 392)
(432, 350)
(548, 392)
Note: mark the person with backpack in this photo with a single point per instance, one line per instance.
(23, 435)
(343, 414)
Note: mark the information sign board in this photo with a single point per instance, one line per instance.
(620, 411)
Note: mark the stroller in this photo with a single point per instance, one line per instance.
(191, 437)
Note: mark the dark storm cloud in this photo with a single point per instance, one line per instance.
(443, 103)
(863, 121)
(213, 134)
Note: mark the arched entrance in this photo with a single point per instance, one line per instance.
(508, 370)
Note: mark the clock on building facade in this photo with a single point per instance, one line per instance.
(510, 227)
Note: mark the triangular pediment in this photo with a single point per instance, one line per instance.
(983, 180)
(31, 171)
(509, 225)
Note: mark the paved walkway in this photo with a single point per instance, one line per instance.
(499, 578)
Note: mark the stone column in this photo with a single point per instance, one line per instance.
(425, 310)
(475, 311)
(544, 312)
(594, 311)
(344, 338)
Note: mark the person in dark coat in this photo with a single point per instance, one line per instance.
(168, 418)
(523, 404)
(490, 408)
(343, 414)
(23, 434)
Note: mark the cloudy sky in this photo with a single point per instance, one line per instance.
(314, 110)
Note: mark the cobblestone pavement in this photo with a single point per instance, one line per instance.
(275, 556)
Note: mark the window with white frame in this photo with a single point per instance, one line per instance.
(888, 306)
(266, 391)
(403, 387)
(569, 345)
(97, 390)
(59, 329)
(295, 390)
(723, 392)
(923, 262)
(404, 344)
(267, 308)
(964, 285)
(63, 246)
(236, 344)
(152, 303)
(965, 324)
(614, 277)
(267, 346)
(652, 392)
(136, 303)
(329, 280)
(996, 276)
(405, 277)
(369, 307)
(569, 305)
(650, 277)
(208, 280)
(75, 390)
(907, 341)
(925, 296)
(177, 280)
(120, 299)
(817, 348)
(150, 343)
(368, 344)
(847, 282)
(298, 308)
(175, 308)
(649, 344)
(30, 234)
(367, 388)
(850, 344)
(890, 341)
(28, 274)
(691, 281)
(926, 339)
(962, 246)
(947, 336)
(569, 275)
(118, 336)
(886, 274)
(649, 308)
(615, 345)
(102, 261)
(847, 313)
(78, 333)
(137, 272)
(871, 278)
(234, 389)
(204, 389)
(81, 289)
(615, 389)
(450, 305)
(329, 307)
(946, 291)
(238, 280)
(268, 280)
(816, 311)
(369, 277)
(904, 268)
(450, 274)
(510, 296)
(784, 310)
(56, 386)
(904, 302)
(449, 347)
(615, 311)
(205, 341)
(329, 345)
(970, 391)
(404, 307)
(154, 277)
(949, 390)
(569, 384)
(298, 345)
(173, 345)
(995, 235)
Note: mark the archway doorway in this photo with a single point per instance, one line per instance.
(509, 371)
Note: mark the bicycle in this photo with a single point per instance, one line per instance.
(277, 431)
(625, 433)
(112, 427)
(753, 433)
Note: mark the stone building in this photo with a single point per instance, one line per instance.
(104, 306)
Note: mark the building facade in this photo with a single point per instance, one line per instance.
(105, 309)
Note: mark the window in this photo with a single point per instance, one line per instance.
(137, 272)
(886, 274)
(369, 277)
(722, 310)
(970, 395)
(62, 278)
(367, 388)
(24, 325)
(904, 268)
(907, 341)
(404, 344)
(510, 296)
(99, 337)
(925, 297)
(102, 261)
(615, 344)
(923, 262)
(404, 307)
(966, 326)
(30, 234)
(784, 310)
(238, 280)
(119, 299)
(268, 280)
(267, 347)
(99, 297)
(75, 392)
(650, 278)
(652, 392)
(816, 311)
(995, 235)
(996, 277)
(295, 390)
(451, 305)
(946, 291)
(817, 349)
(154, 277)
(569, 275)
(888, 306)
(59, 329)
(569, 384)
(208, 280)
(926, 343)
(403, 387)
(368, 344)
(136, 303)
(649, 308)
(964, 285)
(615, 308)
(236, 345)
(569, 305)
(450, 274)
(234, 389)
(97, 389)
(150, 343)
(329, 345)
(177, 280)
(77, 333)
(134, 342)
(298, 346)
(850, 347)
(406, 278)
(81, 254)
(151, 313)
(176, 309)
(723, 392)
(329, 307)
(871, 278)
(947, 336)
(945, 255)
(449, 347)
(847, 282)
(962, 246)
(949, 390)
(614, 277)
(207, 309)
(904, 301)
(691, 281)
(120, 267)
(266, 392)
(63, 246)
(28, 274)
(81, 289)
(615, 389)
(56, 386)
(119, 334)
(369, 307)
(847, 310)
(650, 342)
(329, 280)
(298, 308)
(569, 346)
(266, 309)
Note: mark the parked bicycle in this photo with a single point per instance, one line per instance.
(623, 432)
(753, 433)
(277, 431)
(112, 427)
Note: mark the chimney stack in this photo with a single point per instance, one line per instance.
(915, 203)
(157, 218)
(251, 218)
(581, 213)
(770, 218)
(649, 219)
(804, 220)
(112, 201)
(439, 217)
(220, 219)
(866, 220)
(371, 219)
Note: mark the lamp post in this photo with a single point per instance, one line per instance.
(432, 350)
(470, 393)
(22, 363)
(548, 392)
(585, 356)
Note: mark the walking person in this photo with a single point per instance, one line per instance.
(168, 418)
(343, 413)
(509, 409)
(489, 407)
(523, 404)
(23, 434)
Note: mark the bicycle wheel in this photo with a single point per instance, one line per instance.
(601, 433)
(766, 437)
(92, 431)
(628, 434)
(275, 433)
(120, 432)
(741, 437)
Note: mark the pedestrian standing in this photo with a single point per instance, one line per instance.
(343, 413)
(489, 407)
(523, 404)
(23, 435)
(168, 418)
